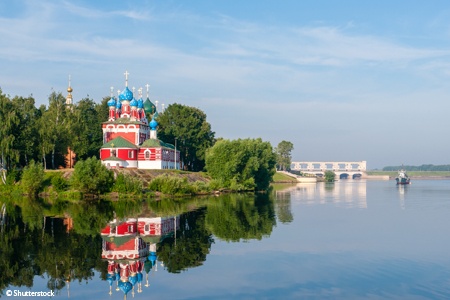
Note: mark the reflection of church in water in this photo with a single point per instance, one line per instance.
(130, 247)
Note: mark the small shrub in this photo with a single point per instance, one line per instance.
(127, 184)
(32, 178)
(215, 185)
(91, 176)
(171, 185)
(201, 187)
(59, 183)
(329, 176)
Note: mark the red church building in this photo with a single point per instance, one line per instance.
(130, 141)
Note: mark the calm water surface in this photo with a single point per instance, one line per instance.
(354, 239)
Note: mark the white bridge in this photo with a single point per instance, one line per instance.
(342, 169)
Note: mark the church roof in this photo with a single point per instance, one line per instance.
(119, 241)
(123, 121)
(119, 142)
(156, 143)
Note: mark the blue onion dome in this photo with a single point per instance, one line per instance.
(118, 105)
(140, 103)
(133, 103)
(125, 286)
(112, 102)
(139, 277)
(155, 115)
(126, 95)
(153, 124)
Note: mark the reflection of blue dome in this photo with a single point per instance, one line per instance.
(126, 95)
(125, 286)
(111, 278)
(139, 277)
(133, 279)
(112, 102)
(133, 103)
(153, 124)
(152, 257)
(140, 103)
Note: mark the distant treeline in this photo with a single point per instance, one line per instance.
(418, 168)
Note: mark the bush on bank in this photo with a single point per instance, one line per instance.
(32, 178)
(92, 177)
(243, 164)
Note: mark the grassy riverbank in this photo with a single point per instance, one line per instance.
(283, 178)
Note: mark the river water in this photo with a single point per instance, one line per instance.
(353, 239)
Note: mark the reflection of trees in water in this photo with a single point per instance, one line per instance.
(189, 246)
(235, 216)
(283, 207)
(89, 218)
(34, 245)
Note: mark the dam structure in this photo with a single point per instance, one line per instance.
(342, 169)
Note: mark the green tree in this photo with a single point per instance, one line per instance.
(9, 123)
(32, 178)
(329, 176)
(283, 151)
(86, 138)
(54, 130)
(27, 142)
(91, 176)
(193, 133)
(242, 164)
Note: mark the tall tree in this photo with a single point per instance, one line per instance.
(9, 123)
(283, 151)
(54, 129)
(85, 126)
(28, 140)
(192, 132)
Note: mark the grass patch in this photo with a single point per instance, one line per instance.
(280, 177)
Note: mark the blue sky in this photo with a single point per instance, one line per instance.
(341, 80)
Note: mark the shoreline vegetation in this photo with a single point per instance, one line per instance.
(155, 184)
